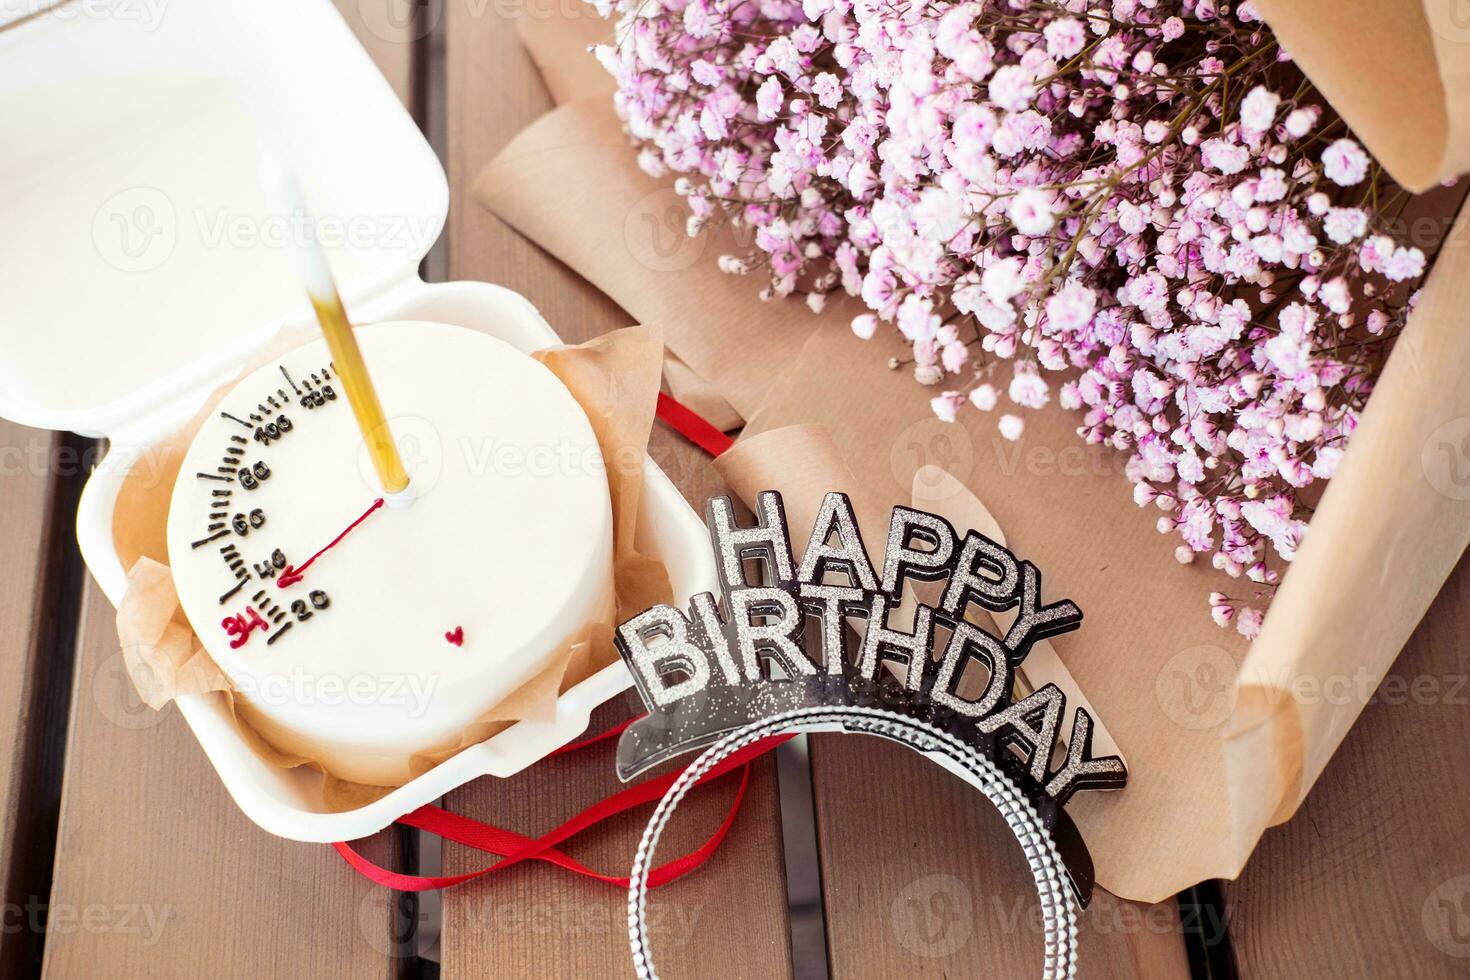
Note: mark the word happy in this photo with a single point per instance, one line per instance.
(722, 665)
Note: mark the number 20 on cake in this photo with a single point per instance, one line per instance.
(361, 628)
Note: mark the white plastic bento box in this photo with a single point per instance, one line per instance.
(141, 269)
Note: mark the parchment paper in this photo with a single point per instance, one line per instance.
(615, 379)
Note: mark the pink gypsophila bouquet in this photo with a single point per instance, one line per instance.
(1138, 203)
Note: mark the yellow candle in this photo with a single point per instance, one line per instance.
(357, 384)
(280, 185)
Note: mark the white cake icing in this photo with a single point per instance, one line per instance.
(508, 536)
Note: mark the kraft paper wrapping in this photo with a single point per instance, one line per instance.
(558, 41)
(1220, 739)
(570, 184)
(614, 378)
(1390, 527)
(559, 44)
(1398, 71)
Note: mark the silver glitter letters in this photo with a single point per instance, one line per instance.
(1081, 770)
(1036, 621)
(832, 603)
(970, 641)
(704, 674)
(776, 640)
(848, 555)
(994, 592)
(882, 643)
(676, 653)
(899, 559)
(1036, 742)
(767, 541)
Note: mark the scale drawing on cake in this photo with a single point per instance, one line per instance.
(360, 634)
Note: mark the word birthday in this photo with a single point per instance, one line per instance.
(723, 665)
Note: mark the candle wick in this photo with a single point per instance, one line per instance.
(292, 574)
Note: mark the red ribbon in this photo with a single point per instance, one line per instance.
(513, 848)
(693, 426)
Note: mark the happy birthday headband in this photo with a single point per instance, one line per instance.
(726, 666)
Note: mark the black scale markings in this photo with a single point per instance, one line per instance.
(219, 527)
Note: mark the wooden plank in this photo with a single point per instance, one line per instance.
(29, 477)
(389, 30)
(921, 877)
(1372, 875)
(159, 874)
(534, 921)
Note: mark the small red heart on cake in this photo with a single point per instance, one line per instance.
(456, 636)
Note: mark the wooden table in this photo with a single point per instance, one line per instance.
(124, 857)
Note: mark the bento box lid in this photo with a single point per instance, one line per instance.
(139, 257)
